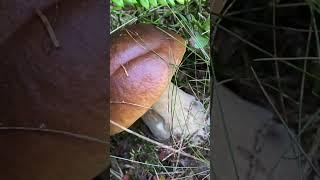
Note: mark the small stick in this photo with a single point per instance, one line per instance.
(125, 70)
(128, 103)
(49, 28)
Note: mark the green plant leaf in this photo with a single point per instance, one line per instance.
(171, 2)
(180, 1)
(163, 2)
(131, 2)
(199, 41)
(153, 3)
(118, 3)
(183, 18)
(206, 25)
(191, 19)
(145, 4)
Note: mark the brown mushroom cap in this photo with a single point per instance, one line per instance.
(142, 61)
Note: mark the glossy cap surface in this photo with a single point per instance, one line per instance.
(142, 61)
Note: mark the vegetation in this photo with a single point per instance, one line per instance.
(133, 157)
(274, 46)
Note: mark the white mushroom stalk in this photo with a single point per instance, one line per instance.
(178, 114)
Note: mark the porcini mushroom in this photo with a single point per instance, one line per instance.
(49, 93)
(142, 62)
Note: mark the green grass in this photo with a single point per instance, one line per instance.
(147, 4)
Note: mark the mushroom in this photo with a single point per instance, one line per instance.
(143, 59)
(52, 98)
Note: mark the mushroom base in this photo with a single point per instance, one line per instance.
(178, 114)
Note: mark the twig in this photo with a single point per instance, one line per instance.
(128, 103)
(49, 28)
(125, 70)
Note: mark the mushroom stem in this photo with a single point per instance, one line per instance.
(179, 114)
